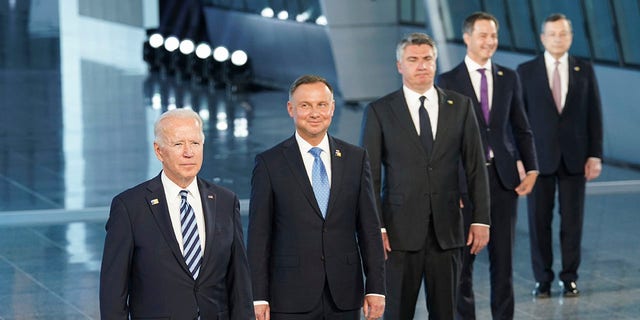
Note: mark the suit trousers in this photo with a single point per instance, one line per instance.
(406, 270)
(504, 206)
(326, 309)
(571, 195)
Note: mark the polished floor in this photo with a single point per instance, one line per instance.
(76, 129)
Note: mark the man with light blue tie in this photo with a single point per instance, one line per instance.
(509, 152)
(313, 227)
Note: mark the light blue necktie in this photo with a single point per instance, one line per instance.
(320, 181)
(190, 236)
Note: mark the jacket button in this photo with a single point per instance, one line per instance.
(322, 258)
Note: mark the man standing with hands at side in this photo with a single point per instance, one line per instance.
(416, 137)
(313, 226)
(507, 138)
(563, 103)
(174, 247)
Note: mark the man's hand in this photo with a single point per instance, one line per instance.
(526, 185)
(373, 307)
(478, 238)
(385, 244)
(262, 312)
(592, 168)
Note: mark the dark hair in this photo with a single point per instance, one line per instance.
(553, 18)
(307, 79)
(415, 38)
(470, 21)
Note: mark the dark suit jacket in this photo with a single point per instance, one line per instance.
(143, 271)
(293, 251)
(413, 185)
(507, 120)
(574, 135)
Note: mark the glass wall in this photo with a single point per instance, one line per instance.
(298, 10)
(603, 30)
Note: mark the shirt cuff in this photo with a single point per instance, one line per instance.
(481, 224)
(260, 302)
(374, 294)
(383, 230)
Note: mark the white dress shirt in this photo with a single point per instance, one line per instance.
(431, 104)
(172, 193)
(475, 77)
(563, 69)
(308, 158)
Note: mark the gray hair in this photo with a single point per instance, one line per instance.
(553, 18)
(417, 39)
(182, 113)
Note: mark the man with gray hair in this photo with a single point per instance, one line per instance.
(416, 137)
(174, 247)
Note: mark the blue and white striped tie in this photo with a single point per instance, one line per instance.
(190, 238)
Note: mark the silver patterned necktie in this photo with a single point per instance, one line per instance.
(190, 237)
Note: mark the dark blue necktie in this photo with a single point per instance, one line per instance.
(426, 135)
(190, 237)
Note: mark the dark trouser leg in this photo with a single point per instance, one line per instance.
(540, 211)
(465, 305)
(504, 206)
(571, 194)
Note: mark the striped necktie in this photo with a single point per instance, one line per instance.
(190, 238)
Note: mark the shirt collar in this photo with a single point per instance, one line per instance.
(473, 66)
(173, 190)
(411, 95)
(550, 60)
(306, 146)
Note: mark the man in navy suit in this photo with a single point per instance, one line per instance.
(563, 103)
(507, 138)
(313, 225)
(147, 272)
(416, 136)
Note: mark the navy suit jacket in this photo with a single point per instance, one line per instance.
(576, 133)
(508, 132)
(143, 271)
(410, 187)
(293, 251)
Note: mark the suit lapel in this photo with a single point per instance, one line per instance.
(208, 199)
(462, 77)
(445, 107)
(400, 109)
(160, 211)
(337, 171)
(291, 153)
(574, 73)
(540, 76)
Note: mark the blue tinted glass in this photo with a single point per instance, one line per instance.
(457, 12)
(523, 34)
(601, 29)
(628, 21)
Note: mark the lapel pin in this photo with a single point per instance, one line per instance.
(210, 196)
(154, 202)
(338, 153)
(576, 68)
(500, 73)
(450, 101)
